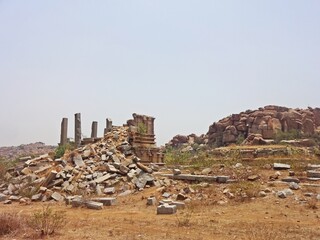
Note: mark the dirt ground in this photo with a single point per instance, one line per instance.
(260, 218)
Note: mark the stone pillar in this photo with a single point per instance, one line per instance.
(94, 129)
(64, 131)
(108, 125)
(77, 129)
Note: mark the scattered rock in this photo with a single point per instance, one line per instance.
(294, 186)
(262, 194)
(206, 171)
(176, 171)
(253, 177)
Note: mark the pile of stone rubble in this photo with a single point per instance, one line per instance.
(108, 167)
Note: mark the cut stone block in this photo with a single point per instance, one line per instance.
(151, 201)
(290, 179)
(36, 197)
(179, 205)
(94, 205)
(78, 161)
(103, 178)
(313, 166)
(77, 202)
(313, 174)
(166, 209)
(110, 190)
(166, 195)
(106, 201)
(57, 196)
(281, 166)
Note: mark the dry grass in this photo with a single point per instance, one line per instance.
(10, 223)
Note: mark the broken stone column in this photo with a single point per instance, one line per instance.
(64, 131)
(94, 129)
(77, 129)
(108, 125)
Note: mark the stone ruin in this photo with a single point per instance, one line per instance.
(141, 136)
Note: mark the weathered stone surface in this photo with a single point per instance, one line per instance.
(181, 197)
(7, 202)
(262, 194)
(166, 209)
(294, 186)
(179, 205)
(222, 179)
(281, 166)
(125, 193)
(78, 161)
(284, 193)
(36, 197)
(77, 129)
(253, 177)
(77, 202)
(106, 201)
(266, 121)
(313, 174)
(103, 178)
(57, 196)
(52, 175)
(64, 132)
(151, 201)
(109, 190)
(290, 179)
(166, 195)
(94, 205)
(176, 171)
(3, 197)
(206, 171)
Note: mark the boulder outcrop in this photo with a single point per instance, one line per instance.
(261, 125)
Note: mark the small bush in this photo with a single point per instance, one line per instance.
(142, 128)
(47, 221)
(176, 157)
(9, 223)
(60, 150)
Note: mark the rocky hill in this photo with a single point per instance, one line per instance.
(32, 149)
(265, 122)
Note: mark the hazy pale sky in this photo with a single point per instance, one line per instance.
(187, 63)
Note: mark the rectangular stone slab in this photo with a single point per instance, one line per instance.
(281, 166)
(166, 209)
(106, 201)
(94, 205)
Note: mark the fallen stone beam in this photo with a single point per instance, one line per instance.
(105, 201)
(190, 177)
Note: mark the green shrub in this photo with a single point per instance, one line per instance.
(60, 150)
(142, 128)
(47, 221)
(290, 135)
(176, 157)
(240, 139)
